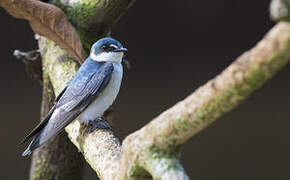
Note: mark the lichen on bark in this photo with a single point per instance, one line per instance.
(154, 150)
(58, 159)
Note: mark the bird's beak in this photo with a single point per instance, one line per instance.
(121, 50)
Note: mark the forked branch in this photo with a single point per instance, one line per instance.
(154, 149)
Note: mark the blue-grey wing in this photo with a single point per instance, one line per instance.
(71, 102)
(44, 122)
(78, 96)
(86, 89)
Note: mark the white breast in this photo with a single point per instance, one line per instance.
(106, 98)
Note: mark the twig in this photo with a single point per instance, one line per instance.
(32, 62)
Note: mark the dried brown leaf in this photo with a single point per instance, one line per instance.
(49, 21)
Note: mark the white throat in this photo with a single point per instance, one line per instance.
(107, 56)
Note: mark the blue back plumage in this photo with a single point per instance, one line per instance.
(88, 68)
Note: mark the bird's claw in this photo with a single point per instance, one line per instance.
(99, 123)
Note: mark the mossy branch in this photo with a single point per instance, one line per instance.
(154, 149)
(93, 19)
(58, 158)
(219, 95)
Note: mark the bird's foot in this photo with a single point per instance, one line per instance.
(99, 123)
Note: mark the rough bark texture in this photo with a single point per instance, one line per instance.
(93, 18)
(58, 159)
(154, 149)
(221, 94)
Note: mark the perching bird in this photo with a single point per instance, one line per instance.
(88, 95)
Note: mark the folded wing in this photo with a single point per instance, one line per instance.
(71, 102)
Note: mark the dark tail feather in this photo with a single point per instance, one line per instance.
(32, 146)
(39, 127)
(27, 152)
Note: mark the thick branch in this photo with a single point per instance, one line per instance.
(155, 147)
(93, 18)
(61, 69)
(58, 159)
(221, 94)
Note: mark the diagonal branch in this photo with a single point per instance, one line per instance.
(58, 158)
(221, 94)
(154, 149)
(92, 19)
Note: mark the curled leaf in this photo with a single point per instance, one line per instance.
(49, 21)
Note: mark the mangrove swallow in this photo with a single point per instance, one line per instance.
(87, 96)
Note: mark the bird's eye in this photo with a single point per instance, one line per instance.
(104, 47)
(109, 48)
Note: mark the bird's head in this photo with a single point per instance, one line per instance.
(107, 50)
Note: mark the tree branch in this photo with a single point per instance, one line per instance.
(154, 150)
(221, 94)
(32, 62)
(155, 147)
(93, 19)
(166, 133)
(58, 159)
